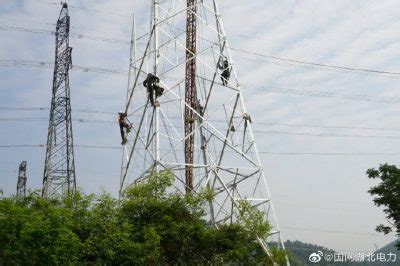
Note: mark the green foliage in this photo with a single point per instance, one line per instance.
(35, 230)
(279, 256)
(252, 219)
(149, 226)
(387, 194)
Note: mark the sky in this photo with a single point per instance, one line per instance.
(319, 129)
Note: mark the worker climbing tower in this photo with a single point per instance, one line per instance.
(198, 127)
(21, 183)
(59, 169)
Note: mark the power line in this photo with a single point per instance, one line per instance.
(99, 38)
(25, 20)
(23, 146)
(8, 108)
(327, 126)
(316, 134)
(23, 29)
(112, 113)
(287, 246)
(332, 153)
(280, 90)
(75, 35)
(331, 231)
(93, 111)
(325, 134)
(296, 61)
(101, 70)
(42, 64)
(105, 147)
(44, 145)
(309, 93)
(80, 120)
(94, 10)
(271, 132)
(17, 119)
(100, 11)
(88, 111)
(318, 64)
(100, 147)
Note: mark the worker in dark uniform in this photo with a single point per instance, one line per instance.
(153, 88)
(226, 71)
(200, 108)
(123, 124)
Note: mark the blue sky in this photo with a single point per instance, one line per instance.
(318, 192)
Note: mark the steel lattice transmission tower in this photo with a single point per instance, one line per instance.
(59, 169)
(21, 184)
(199, 129)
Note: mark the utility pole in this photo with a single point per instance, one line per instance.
(21, 184)
(59, 169)
(190, 92)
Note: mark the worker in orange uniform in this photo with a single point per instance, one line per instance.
(123, 125)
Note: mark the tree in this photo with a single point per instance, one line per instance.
(148, 226)
(37, 231)
(387, 194)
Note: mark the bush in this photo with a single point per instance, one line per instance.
(148, 226)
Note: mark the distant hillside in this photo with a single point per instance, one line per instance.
(387, 249)
(390, 248)
(300, 252)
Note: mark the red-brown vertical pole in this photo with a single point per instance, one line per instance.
(190, 92)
